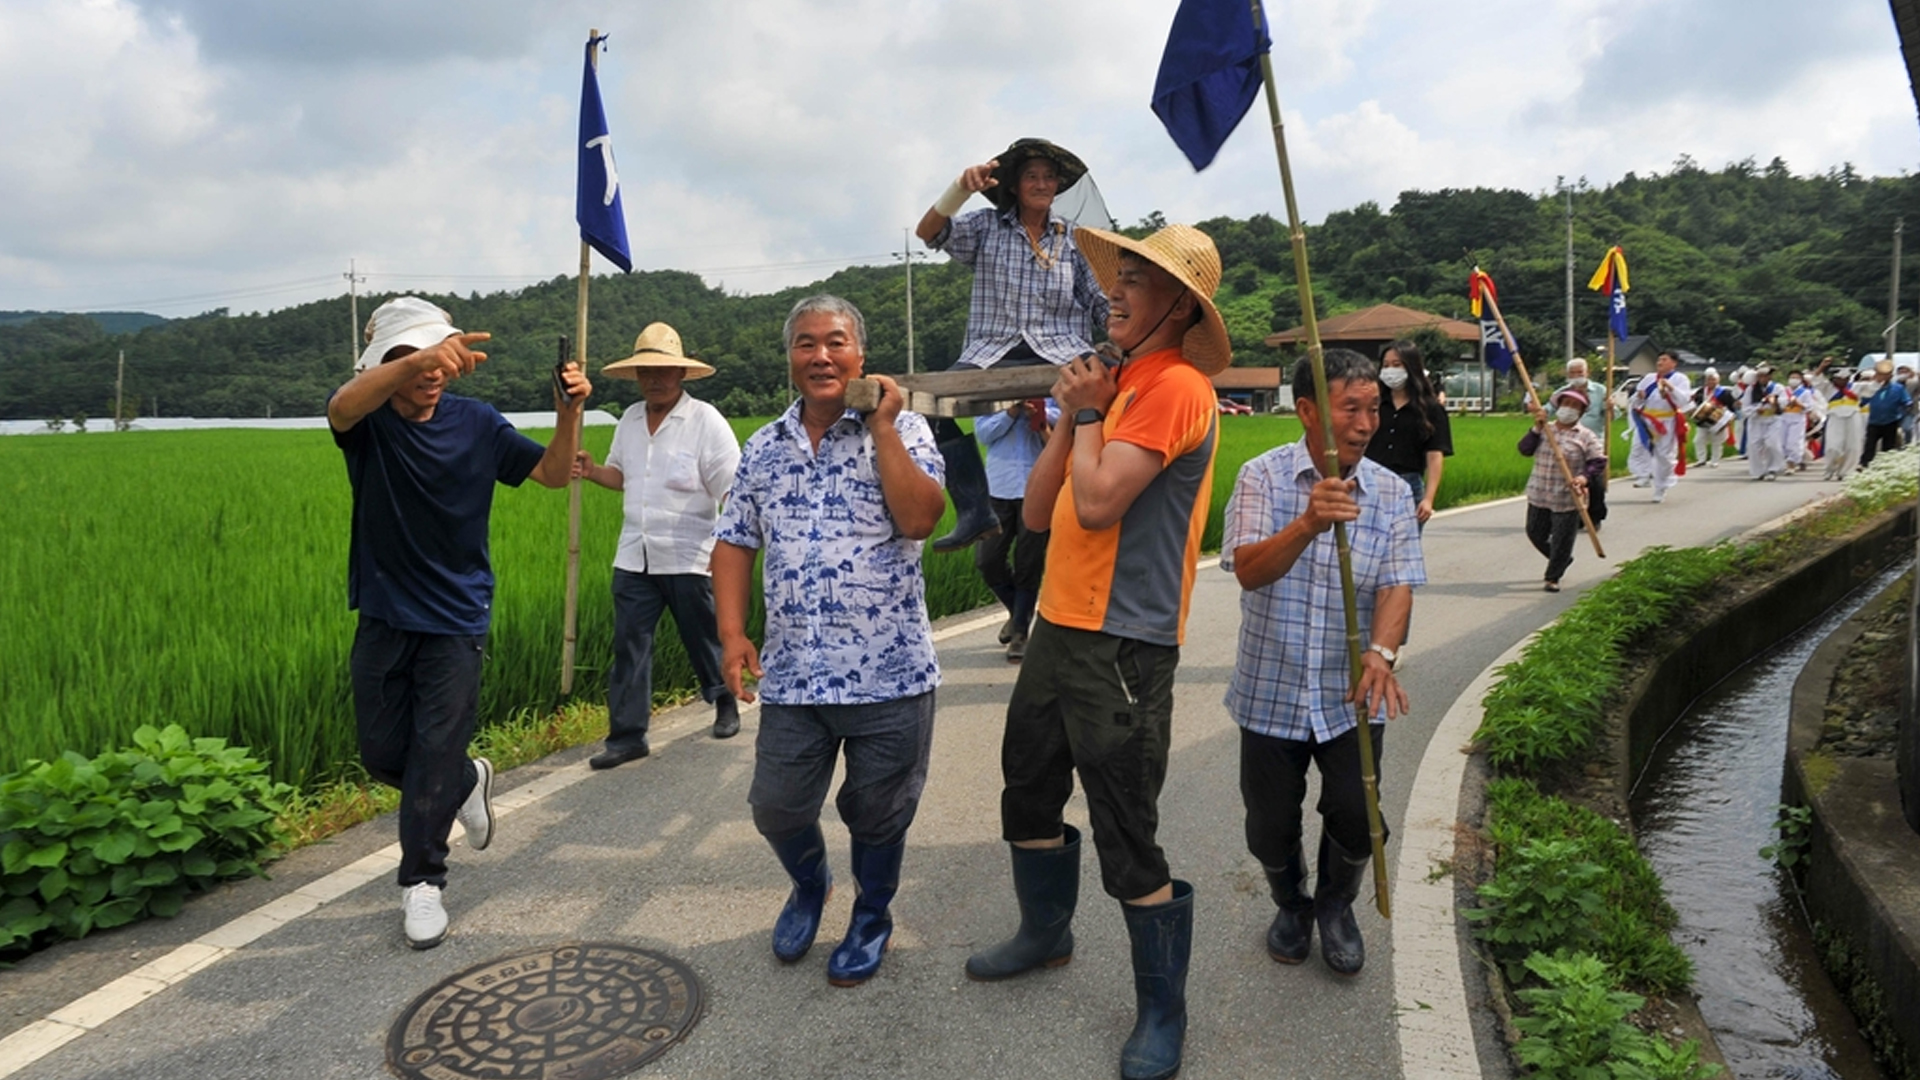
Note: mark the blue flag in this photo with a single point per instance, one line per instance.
(597, 200)
(1498, 358)
(1209, 74)
(1617, 312)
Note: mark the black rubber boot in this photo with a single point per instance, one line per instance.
(1340, 875)
(1046, 881)
(967, 484)
(1290, 938)
(877, 871)
(1162, 940)
(805, 857)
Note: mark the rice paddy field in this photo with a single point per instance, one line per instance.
(199, 577)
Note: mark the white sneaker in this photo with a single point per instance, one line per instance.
(476, 814)
(426, 916)
(1643, 483)
(1659, 496)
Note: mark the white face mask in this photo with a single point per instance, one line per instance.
(1394, 377)
(1795, 383)
(1578, 382)
(1567, 415)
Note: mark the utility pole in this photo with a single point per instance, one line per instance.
(907, 255)
(119, 389)
(1569, 191)
(1893, 291)
(353, 313)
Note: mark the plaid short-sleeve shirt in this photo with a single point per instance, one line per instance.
(1290, 676)
(1047, 298)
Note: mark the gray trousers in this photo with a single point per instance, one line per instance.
(886, 743)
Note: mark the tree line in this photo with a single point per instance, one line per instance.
(1738, 263)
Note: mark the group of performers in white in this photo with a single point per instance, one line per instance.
(1782, 422)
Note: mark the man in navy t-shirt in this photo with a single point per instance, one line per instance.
(423, 464)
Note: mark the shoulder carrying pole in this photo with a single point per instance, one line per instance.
(1369, 777)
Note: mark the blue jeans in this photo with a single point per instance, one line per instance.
(887, 744)
(415, 697)
(638, 600)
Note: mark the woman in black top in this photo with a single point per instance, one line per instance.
(1413, 438)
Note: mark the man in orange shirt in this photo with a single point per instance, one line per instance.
(1124, 484)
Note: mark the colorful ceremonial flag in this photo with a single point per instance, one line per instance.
(597, 199)
(1499, 357)
(1209, 74)
(1611, 279)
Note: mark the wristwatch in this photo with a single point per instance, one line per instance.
(1088, 416)
(1387, 654)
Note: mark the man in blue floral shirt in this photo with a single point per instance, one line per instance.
(838, 506)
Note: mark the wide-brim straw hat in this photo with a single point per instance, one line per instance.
(658, 346)
(1007, 192)
(1189, 255)
(1884, 367)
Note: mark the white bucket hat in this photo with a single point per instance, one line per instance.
(403, 320)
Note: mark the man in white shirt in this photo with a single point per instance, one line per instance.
(673, 457)
(1660, 404)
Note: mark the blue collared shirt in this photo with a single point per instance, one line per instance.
(1048, 298)
(846, 602)
(1290, 676)
(1012, 448)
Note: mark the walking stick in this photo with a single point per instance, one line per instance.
(1520, 366)
(1369, 777)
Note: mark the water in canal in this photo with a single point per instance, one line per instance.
(1703, 810)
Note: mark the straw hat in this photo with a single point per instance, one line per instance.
(658, 346)
(1189, 255)
(1014, 158)
(1884, 367)
(403, 320)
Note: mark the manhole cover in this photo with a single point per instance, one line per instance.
(580, 1011)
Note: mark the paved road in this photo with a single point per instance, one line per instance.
(662, 854)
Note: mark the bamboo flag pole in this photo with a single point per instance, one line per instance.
(572, 613)
(1316, 352)
(1533, 396)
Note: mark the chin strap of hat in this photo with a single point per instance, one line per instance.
(1126, 354)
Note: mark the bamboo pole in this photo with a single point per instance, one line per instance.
(1533, 396)
(1330, 466)
(571, 634)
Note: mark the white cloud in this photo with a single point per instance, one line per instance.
(238, 152)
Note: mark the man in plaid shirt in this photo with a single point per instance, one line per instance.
(1553, 504)
(1291, 692)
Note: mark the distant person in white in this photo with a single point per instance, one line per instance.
(673, 458)
(1661, 401)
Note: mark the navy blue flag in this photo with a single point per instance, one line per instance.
(1209, 74)
(1498, 358)
(597, 201)
(1617, 313)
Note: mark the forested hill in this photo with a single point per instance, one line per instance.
(1736, 263)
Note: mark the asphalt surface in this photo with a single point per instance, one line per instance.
(662, 854)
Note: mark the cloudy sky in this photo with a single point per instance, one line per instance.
(179, 155)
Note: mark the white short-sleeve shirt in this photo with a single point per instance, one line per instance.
(675, 478)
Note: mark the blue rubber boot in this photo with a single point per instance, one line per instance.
(1162, 941)
(1046, 881)
(805, 856)
(877, 872)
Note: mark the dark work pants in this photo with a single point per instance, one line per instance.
(1273, 785)
(1552, 533)
(638, 600)
(1879, 437)
(1017, 585)
(415, 697)
(1102, 706)
(887, 745)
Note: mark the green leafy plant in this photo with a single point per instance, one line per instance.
(90, 844)
(1575, 1027)
(1793, 826)
(1545, 894)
